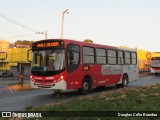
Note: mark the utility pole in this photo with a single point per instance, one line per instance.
(46, 34)
(43, 33)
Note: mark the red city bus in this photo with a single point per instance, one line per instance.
(61, 64)
(155, 65)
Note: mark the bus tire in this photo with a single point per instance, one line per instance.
(124, 80)
(118, 85)
(86, 86)
(57, 91)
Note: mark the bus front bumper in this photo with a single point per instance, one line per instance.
(155, 71)
(60, 85)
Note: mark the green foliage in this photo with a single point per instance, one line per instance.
(23, 42)
(126, 99)
(28, 108)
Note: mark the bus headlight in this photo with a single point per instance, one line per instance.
(61, 77)
(31, 77)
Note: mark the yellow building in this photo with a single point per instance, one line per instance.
(4, 45)
(17, 55)
(11, 58)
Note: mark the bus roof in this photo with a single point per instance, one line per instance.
(81, 43)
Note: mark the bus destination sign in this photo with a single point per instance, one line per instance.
(48, 44)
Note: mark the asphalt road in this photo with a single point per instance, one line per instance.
(19, 100)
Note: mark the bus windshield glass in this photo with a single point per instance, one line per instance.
(155, 62)
(48, 60)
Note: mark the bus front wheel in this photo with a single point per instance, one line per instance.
(86, 86)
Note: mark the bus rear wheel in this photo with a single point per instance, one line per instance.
(124, 81)
(86, 86)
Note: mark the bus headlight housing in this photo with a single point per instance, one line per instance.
(31, 77)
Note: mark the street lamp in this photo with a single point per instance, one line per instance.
(62, 25)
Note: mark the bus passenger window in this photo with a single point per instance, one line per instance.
(112, 57)
(120, 57)
(88, 55)
(73, 52)
(127, 58)
(134, 58)
(101, 56)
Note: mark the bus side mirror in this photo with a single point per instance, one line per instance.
(3, 55)
(29, 55)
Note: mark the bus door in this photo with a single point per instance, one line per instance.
(73, 62)
(133, 67)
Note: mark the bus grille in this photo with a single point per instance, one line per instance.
(43, 80)
(46, 86)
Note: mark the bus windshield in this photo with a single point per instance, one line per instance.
(48, 60)
(155, 62)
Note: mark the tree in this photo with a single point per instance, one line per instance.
(23, 43)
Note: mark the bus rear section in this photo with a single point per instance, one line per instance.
(155, 65)
(128, 61)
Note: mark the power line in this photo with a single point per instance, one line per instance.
(17, 36)
(14, 22)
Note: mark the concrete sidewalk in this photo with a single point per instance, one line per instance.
(17, 87)
(144, 74)
(13, 78)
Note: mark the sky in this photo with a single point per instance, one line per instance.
(132, 23)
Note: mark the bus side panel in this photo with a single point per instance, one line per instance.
(112, 73)
(75, 78)
(131, 71)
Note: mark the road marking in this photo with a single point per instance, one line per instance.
(10, 89)
(4, 88)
